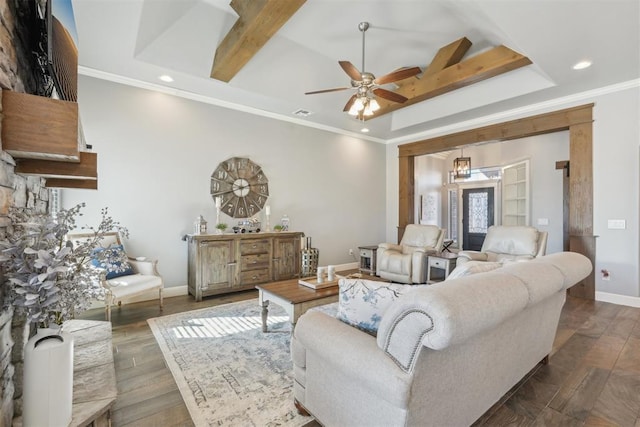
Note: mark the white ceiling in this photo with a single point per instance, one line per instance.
(135, 41)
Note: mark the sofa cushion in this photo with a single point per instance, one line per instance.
(113, 259)
(132, 284)
(516, 240)
(472, 267)
(362, 303)
(421, 235)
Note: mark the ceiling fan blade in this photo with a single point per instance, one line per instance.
(349, 103)
(327, 90)
(394, 76)
(351, 70)
(389, 96)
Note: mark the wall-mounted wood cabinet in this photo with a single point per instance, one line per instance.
(221, 263)
(44, 136)
(37, 127)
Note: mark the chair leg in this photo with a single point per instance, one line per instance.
(161, 301)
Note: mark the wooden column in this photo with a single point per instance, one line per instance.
(405, 193)
(581, 238)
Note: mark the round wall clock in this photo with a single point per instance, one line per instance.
(242, 187)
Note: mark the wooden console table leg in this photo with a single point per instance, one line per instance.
(265, 313)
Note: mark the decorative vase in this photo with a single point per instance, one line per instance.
(309, 259)
(48, 379)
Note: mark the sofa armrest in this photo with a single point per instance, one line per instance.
(352, 353)
(464, 256)
(148, 267)
(391, 246)
(401, 339)
(446, 314)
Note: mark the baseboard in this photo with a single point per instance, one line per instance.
(618, 299)
(175, 291)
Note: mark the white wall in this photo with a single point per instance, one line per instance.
(156, 154)
(616, 181)
(616, 136)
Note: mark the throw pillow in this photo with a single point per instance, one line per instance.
(473, 267)
(362, 303)
(113, 259)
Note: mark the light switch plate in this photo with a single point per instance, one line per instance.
(616, 224)
(543, 221)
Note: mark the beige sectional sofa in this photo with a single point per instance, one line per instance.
(444, 353)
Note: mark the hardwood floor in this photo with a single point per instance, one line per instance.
(592, 379)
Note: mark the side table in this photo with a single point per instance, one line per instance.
(368, 259)
(445, 261)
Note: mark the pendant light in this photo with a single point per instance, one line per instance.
(462, 166)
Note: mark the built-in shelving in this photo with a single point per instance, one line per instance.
(515, 194)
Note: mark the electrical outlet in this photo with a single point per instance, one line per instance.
(350, 251)
(606, 275)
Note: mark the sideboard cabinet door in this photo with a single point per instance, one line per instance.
(211, 267)
(286, 257)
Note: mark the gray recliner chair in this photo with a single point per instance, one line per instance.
(407, 261)
(505, 243)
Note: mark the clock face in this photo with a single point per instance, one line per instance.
(242, 187)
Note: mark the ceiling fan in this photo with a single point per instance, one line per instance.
(363, 102)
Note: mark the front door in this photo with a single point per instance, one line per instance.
(477, 216)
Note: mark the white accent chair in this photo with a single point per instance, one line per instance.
(505, 243)
(145, 278)
(407, 261)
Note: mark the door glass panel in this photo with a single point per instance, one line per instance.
(453, 215)
(478, 209)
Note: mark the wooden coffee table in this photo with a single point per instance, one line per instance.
(294, 298)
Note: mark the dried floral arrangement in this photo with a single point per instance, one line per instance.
(46, 277)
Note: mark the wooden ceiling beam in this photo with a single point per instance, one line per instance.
(447, 56)
(483, 66)
(258, 21)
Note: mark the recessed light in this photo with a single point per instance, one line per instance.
(364, 130)
(166, 78)
(582, 65)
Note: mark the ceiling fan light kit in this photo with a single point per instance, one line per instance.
(363, 103)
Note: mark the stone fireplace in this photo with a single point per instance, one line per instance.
(16, 65)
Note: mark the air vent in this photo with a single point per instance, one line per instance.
(302, 113)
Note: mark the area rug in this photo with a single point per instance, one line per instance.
(228, 371)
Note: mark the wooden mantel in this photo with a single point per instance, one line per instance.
(37, 127)
(43, 136)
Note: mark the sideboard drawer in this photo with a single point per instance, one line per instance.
(254, 262)
(254, 246)
(254, 276)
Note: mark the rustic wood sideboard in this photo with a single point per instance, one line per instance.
(222, 263)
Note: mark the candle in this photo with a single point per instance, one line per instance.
(267, 210)
(218, 202)
(331, 272)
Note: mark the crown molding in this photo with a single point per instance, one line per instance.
(512, 114)
(516, 113)
(116, 78)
